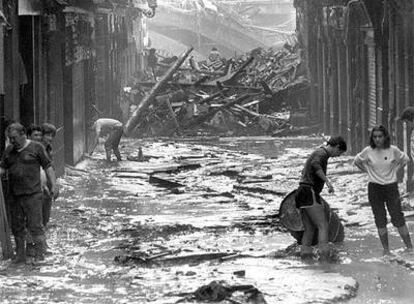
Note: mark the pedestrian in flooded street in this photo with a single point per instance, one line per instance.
(22, 159)
(308, 196)
(43, 134)
(48, 134)
(381, 161)
(114, 130)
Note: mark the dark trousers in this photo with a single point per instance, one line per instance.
(112, 142)
(26, 215)
(380, 196)
(46, 207)
(306, 196)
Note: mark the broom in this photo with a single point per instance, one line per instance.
(6, 246)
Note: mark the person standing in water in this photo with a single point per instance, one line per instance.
(308, 196)
(381, 161)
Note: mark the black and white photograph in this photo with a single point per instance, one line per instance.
(206, 151)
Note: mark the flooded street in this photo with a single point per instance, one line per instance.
(199, 211)
(205, 105)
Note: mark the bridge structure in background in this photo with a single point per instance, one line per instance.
(229, 26)
(272, 14)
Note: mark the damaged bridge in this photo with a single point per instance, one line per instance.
(205, 28)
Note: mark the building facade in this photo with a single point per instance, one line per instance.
(360, 56)
(65, 62)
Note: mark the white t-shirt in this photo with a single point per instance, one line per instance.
(381, 164)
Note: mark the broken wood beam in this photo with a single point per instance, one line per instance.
(232, 76)
(211, 97)
(196, 69)
(138, 113)
(201, 85)
(163, 254)
(252, 103)
(252, 113)
(266, 88)
(163, 180)
(202, 118)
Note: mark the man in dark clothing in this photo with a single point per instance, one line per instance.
(308, 195)
(23, 159)
(43, 134)
(48, 134)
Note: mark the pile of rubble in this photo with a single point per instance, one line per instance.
(253, 94)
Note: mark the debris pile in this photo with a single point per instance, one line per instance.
(253, 94)
(219, 291)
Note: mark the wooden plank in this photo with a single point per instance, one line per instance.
(151, 169)
(131, 175)
(202, 118)
(164, 180)
(162, 168)
(252, 103)
(6, 246)
(200, 85)
(137, 115)
(232, 76)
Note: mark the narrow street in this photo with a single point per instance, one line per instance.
(208, 213)
(214, 107)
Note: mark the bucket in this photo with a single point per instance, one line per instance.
(291, 218)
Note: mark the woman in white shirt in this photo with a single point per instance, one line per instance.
(381, 161)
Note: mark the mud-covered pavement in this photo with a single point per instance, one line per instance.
(208, 213)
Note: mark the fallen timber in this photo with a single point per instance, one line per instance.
(158, 168)
(230, 77)
(260, 188)
(201, 85)
(164, 180)
(136, 116)
(200, 119)
(276, 76)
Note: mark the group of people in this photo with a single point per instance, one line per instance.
(381, 161)
(28, 163)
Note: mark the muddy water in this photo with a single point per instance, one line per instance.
(101, 216)
(380, 280)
